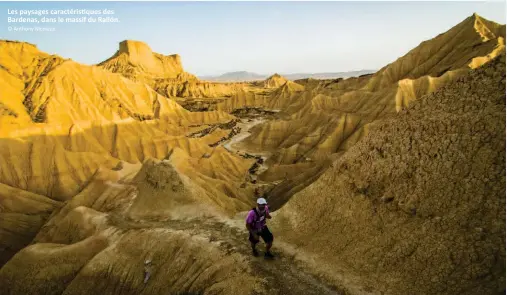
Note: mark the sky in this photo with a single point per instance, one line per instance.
(213, 38)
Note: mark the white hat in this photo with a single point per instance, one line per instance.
(261, 201)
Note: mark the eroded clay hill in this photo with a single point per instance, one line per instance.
(94, 246)
(332, 116)
(418, 205)
(72, 119)
(274, 81)
(63, 121)
(328, 117)
(43, 88)
(136, 61)
(100, 240)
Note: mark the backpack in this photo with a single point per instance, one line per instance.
(258, 217)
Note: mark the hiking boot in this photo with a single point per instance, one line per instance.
(255, 252)
(269, 255)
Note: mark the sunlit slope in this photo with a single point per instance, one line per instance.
(49, 89)
(284, 98)
(20, 66)
(274, 81)
(195, 88)
(58, 161)
(331, 116)
(418, 205)
(76, 118)
(136, 61)
(460, 47)
(61, 162)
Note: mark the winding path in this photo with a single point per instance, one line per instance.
(282, 276)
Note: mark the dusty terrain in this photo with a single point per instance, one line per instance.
(387, 183)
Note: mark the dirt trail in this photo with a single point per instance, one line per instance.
(233, 144)
(245, 125)
(281, 276)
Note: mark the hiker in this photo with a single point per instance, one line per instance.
(256, 225)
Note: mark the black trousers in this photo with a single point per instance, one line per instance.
(265, 234)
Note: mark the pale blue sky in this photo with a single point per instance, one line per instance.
(263, 37)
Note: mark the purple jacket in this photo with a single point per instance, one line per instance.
(257, 222)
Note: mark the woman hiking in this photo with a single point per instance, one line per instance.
(256, 225)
